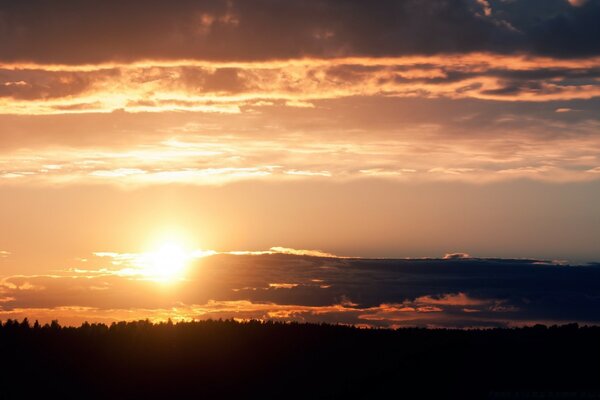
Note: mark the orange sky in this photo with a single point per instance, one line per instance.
(221, 128)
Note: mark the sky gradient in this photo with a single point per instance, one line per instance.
(401, 129)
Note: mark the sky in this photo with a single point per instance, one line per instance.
(144, 141)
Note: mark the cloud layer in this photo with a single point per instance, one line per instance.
(282, 284)
(336, 140)
(73, 31)
(230, 87)
(206, 93)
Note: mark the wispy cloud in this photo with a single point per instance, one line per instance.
(284, 250)
(214, 160)
(456, 256)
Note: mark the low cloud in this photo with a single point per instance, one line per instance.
(292, 287)
(456, 256)
(286, 250)
(451, 299)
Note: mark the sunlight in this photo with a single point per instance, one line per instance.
(167, 262)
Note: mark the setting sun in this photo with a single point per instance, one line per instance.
(166, 263)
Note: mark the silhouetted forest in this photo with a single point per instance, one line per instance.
(228, 359)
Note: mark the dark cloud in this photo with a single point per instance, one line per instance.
(456, 291)
(199, 80)
(77, 31)
(554, 27)
(42, 85)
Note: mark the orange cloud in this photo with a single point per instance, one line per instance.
(225, 87)
(214, 123)
(456, 299)
(456, 256)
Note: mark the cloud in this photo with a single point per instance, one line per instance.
(93, 31)
(154, 122)
(4, 253)
(456, 256)
(312, 253)
(383, 138)
(451, 299)
(312, 288)
(283, 285)
(308, 173)
(136, 265)
(236, 87)
(36, 84)
(487, 9)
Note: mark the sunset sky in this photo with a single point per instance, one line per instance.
(145, 143)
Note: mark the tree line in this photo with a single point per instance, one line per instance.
(264, 359)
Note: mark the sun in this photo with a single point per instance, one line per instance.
(168, 262)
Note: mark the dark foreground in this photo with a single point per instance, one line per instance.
(226, 359)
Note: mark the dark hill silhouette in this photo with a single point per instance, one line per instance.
(228, 359)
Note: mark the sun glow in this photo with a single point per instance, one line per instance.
(168, 262)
